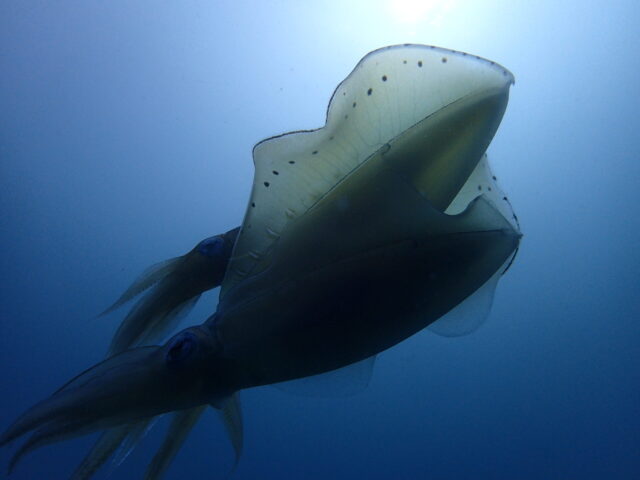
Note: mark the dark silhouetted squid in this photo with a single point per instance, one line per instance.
(385, 221)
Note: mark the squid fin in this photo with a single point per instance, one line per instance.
(411, 101)
(470, 314)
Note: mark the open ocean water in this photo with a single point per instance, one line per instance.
(126, 131)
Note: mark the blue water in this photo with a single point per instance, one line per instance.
(125, 138)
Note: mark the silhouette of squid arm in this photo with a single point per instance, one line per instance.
(147, 279)
(176, 287)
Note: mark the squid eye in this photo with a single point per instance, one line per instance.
(211, 247)
(181, 348)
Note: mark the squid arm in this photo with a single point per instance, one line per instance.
(147, 322)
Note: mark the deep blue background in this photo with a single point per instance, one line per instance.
(126, 130)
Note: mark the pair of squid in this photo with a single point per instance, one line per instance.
(357, 235)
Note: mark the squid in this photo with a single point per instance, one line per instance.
(357, 235)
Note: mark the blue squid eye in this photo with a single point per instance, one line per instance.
(181, 348)
(211, 247)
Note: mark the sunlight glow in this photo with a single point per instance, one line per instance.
(416, 11)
